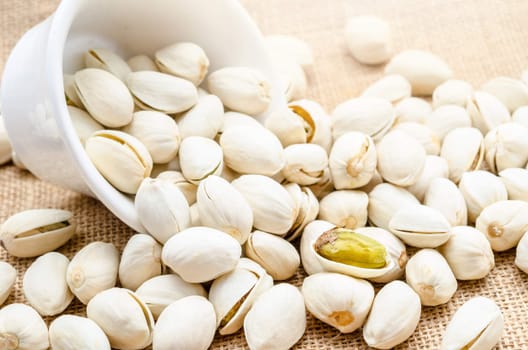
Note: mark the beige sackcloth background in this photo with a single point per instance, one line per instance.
(480, 39)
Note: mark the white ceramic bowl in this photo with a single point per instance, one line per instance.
(33, 103)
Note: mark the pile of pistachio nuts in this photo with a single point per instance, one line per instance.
(223, 197)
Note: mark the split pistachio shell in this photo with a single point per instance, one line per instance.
(276, 255)
(162, 208)
(507, 147)
(8, 276)
(277, 319)
(140, 261)
(141, 63)
(352, 160)
(308, 208)
(121, 158)
(221, 206)
(252, 150)
(412, 109)
(292, 79)
(447, 118)
(290, 48)
(201, 254)
(105, 97)
(326, 185)
(45, 286)
(401, 158)
(288, 126)
(188, 189)
(463, 148)
(420, 226)
(161, 291)
(504, 223)
(83, 123)
(373, 116)
(516, 182)
(521, 254)
(241, 89)
(468, 253)
(200, 157)
(35, 232)
(274, 210)
(124, 318)
(424, 70)
(72, 99)
(394, 316)
(480, 189)
(69, 332)
(368, 39)
(424, 135)
(161, 92)
(452, 92)
(317, 123)
(392, 88)
(93, 269)
(5, 144)
(188, 323)
(204, 119)
(304, 163)
(486, 111)
(521, 116)
(513, 93)
(185, 60)
(108, 61)
(429, 274)
(341, 301)
(385, 200)
(22, 328)
(478, 324)
(309, 259)
(435, 167)
(345, 208)
(444, 196)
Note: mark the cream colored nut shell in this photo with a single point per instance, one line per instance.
(308, 208)
(204, 119)
(5, 144)
(486, 111)
(235, 119)
(452, 92)
(424, 135)
(516, 182)
(345, 208)
(23, 328)
(292, 79)
(412, 109)
(287, 125)
(435, 167)
(72, 99)
(368, 39)
(444, 196)
(290, 48)
(310, 262)
(513, 93)
(8, 275)
(317, 122)
(463, 148)
(506, 147)
(108, 61)
(188, 189)
(142, 62)
(83, 123)
(185, 60)
(199, 158)
(392, 88)
(447, 118)
(385, 200)
(521, 254)
(69, 332)
(521, 116)
(304, 163)
(140, 261)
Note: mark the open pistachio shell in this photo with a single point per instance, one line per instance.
(463, 148)
(392, 87)
(107, 60)
(8, 276)
(22, 328)
(308, 208)
(309, 260)
(185, 60)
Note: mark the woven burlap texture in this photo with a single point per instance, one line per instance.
(480, 39)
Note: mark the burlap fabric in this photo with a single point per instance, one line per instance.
(478, 38)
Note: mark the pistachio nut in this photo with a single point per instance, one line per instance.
(35, 232)
(468, 253)
(120, 158)
(429, 274)
(345, 208)
(521, 254)
(5, 145)
(45, 286)
(162, 208)
(188, 189)
(108, 61)
(317, 124)
(452, 92)
(8, 276)
(486, 111)
(22, 328)
(83, 123)
(341, 301)
(424, 70)
(444, 196)
(447, 118)
(385, 200)
(105, 97)
(401, 158)
(274, 210)
(480, 189)
(307, 208)
(277, 318)
(188, 323)
(93, 269)
(125, 319)
(516, 182)
(222, 206)
(435, 167)
(141, 63)
(204, 119)
(504, 223)
(477, 324)
(252, 150)
(412, 109)
(69, 332)
(304, 163)
(201, 254)
(309, 260)
(424, 135)
(393, 317)
(392, 88)
(373, 116)
(368, 39)
(420, 226)
(521, 115)
(352, 161)
(140, 261)
(200, 157)
(290, 48)
(233, 294)
(72, 99)
(161, 291)
(276, 255)
(185, 60)
(288, 126)
(506, 147)
(161, 92)
(463, 148)
(513, 93)
(292, 79)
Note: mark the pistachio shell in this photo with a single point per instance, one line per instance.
(307, 208)
(290, 48)
(435, 167)
(235, 119)
(412, 109)
(304, 163)
(444, 196)
(452, 92)
(108, 61)
(385, 200)
(175, 177)
(204, 119)
(345, 208)
(292, 79)
(83, 123)
(141, 63)
(463, 148)
(516, 182)
(486, 111)
(309, 259)
(506, 147)
(288, 126)
(447, 118)
(521, 116)
(392, 88)
(513, 93)
(368, 39)
(200, 157)
(8, 276)
(69, 332)
(325, 185)
(5, 144)
(22, 328)
(521, 254)
(421, 133)
(185, 60)
(140, 261)
(72, 99)
(317, 124)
